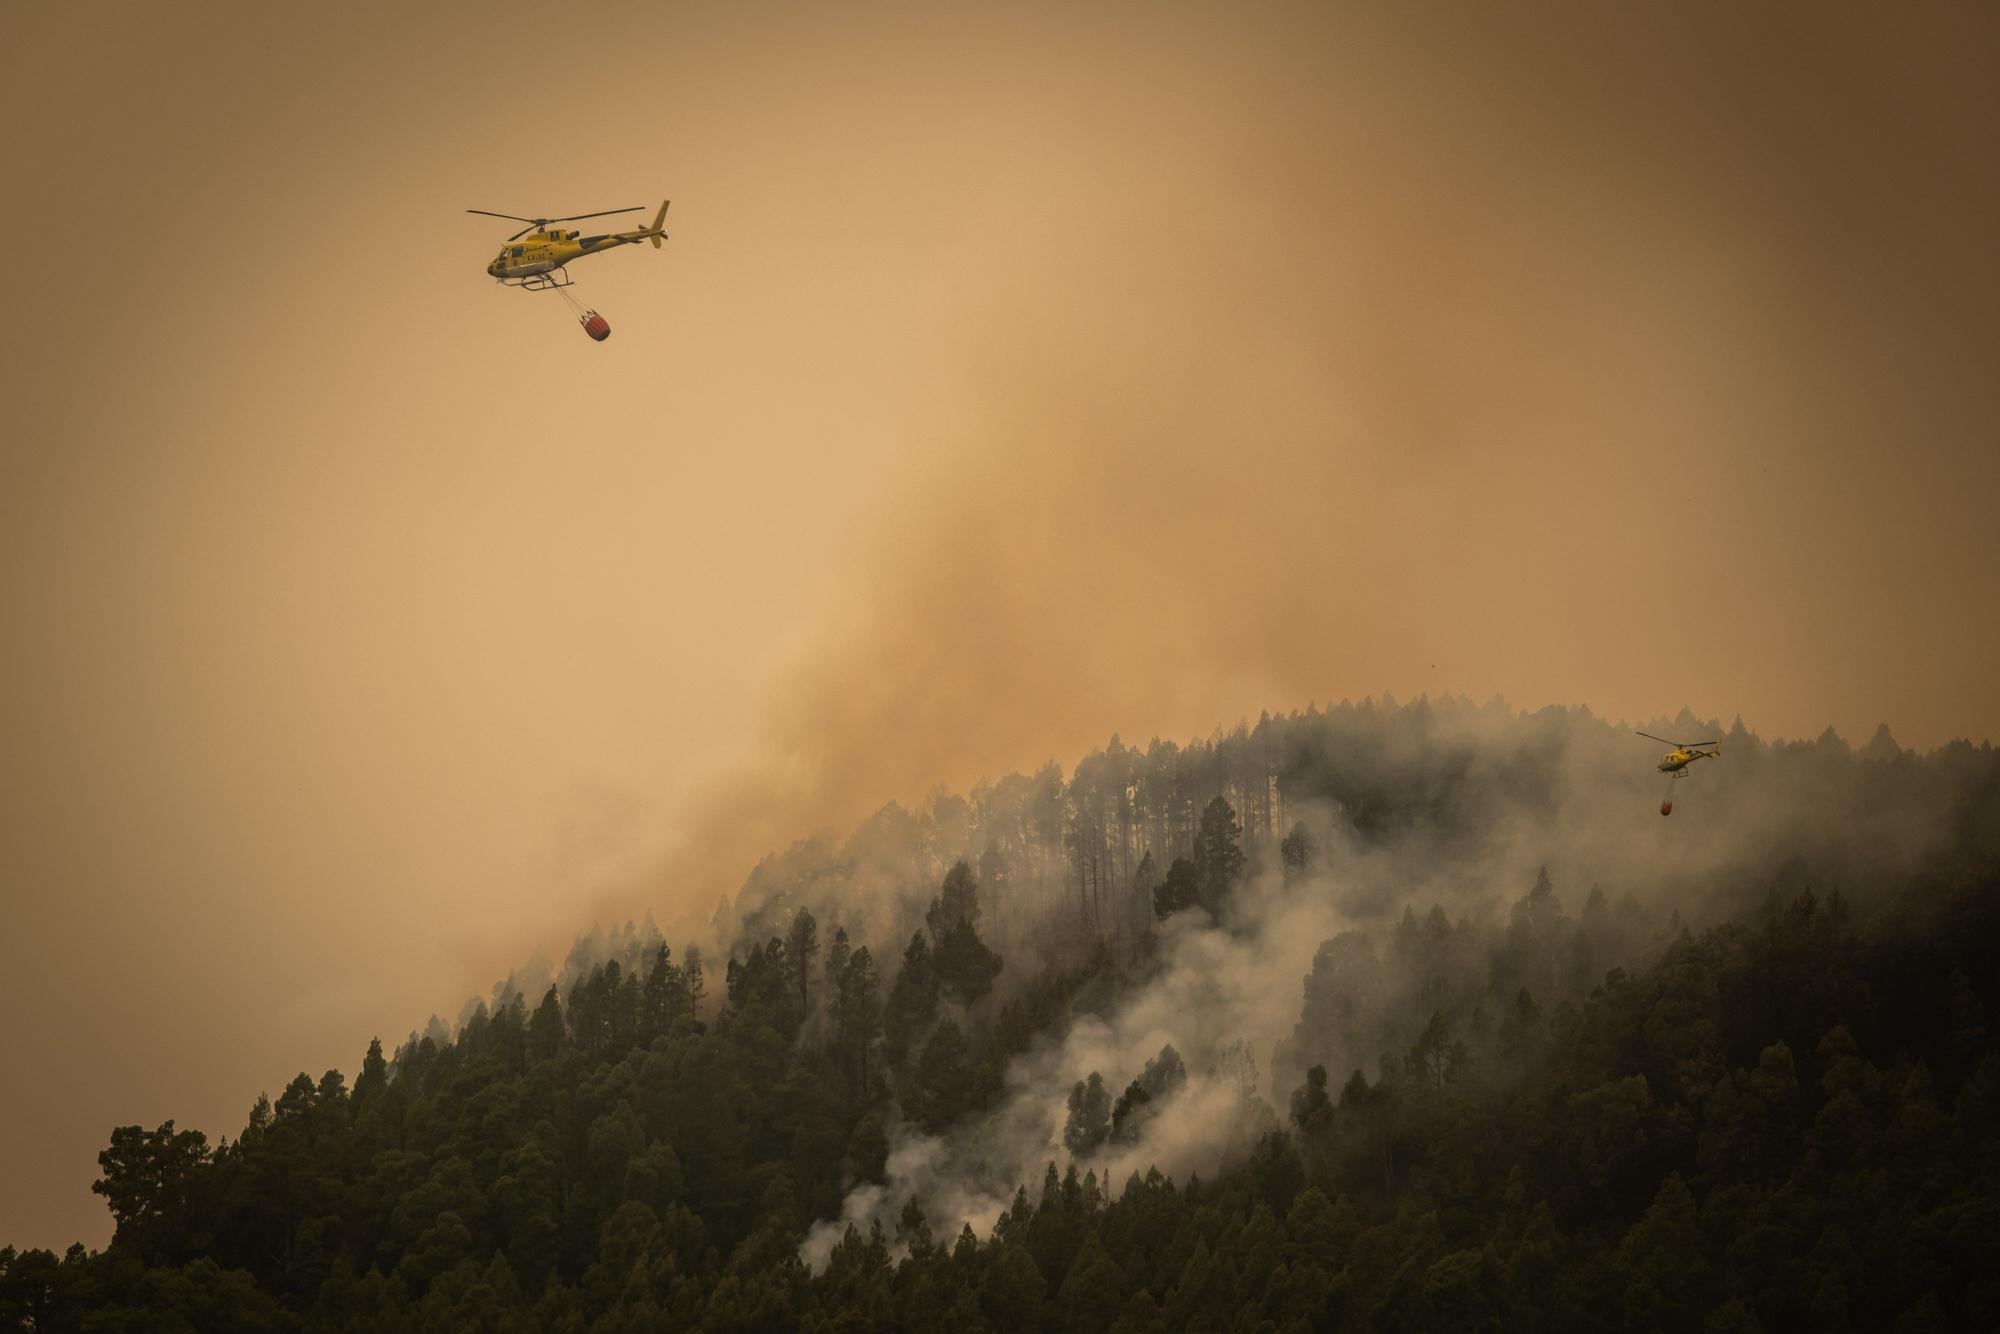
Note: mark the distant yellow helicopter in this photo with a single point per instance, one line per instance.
(1675, 762)
(537, 264)
(1684, 753)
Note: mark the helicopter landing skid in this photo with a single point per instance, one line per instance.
(541, 282)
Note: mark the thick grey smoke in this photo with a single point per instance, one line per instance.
(1218, 992)
(1556, 793)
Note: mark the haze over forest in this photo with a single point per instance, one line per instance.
(1740, 1083)
(1011, 380)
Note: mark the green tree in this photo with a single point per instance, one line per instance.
(373, 1081)
(913, 1001)
(1437, 1060)
(660, 1000)
(957, 901)
(1089, 1120)
(1014, 1290)
(694, 983)
(1312, 1109)
(149, 1180)
(964, 967)
(856, 1284)
(1669, 1284)
(859, 1021)
(941, 1084)
(1179, 891)
(1218, 854)
(837, 954)
(1161, 1079)
(1092, 1294)
(1296, 851)
(545, 1031)
(867, 1153)
(801, 946)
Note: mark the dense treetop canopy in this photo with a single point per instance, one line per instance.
(1754, 1089)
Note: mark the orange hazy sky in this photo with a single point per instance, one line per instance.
(1015, 375)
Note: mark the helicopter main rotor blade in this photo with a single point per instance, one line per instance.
(578, 217)
(1677, 745)
(535, 223)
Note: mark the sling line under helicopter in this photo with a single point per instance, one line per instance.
(593, 323)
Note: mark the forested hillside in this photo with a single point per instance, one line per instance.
(1379, 1017)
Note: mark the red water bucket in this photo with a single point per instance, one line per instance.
(1666, 808)
(596, 326)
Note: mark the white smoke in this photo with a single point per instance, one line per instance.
(1217, 992)
(1221, 988)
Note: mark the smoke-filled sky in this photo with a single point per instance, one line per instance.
(1014, 376)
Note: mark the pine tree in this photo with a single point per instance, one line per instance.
(1297, 852)
(1218, 856)
(801, 945)
(693, 984)
(545, 1030)
(373, 1080)
(941, 1084)
(1437, 1060)
(957, 901)
(149, 1180)
(913, 999)
(860, 1017)
(993, 875)
(965, 968)
(1312, 1110)
(1089, 1120)
(1179, 891)
(656, 995)
(838, 952)
(1161, 1079)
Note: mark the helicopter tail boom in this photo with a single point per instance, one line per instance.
(655, 233)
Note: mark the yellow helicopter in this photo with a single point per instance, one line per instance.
(537, 264)
(1684, 753)
(1675, 762)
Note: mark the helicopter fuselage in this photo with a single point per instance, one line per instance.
(533, 258)
(1674, 761)
(544, 252)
